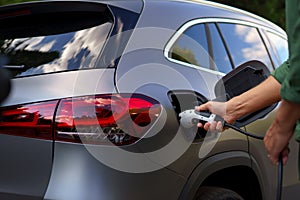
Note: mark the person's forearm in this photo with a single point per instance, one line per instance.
(265, 94)
(288, 114)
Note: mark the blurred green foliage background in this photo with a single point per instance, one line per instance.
(274, 10)
(5, 2)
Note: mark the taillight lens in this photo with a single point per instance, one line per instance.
(111, 119)
(31, 120)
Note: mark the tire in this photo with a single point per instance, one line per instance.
(216, 193)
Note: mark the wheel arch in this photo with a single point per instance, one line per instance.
(231, 170)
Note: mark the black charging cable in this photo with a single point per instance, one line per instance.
(280, 162)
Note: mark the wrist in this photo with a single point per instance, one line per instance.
(232, 111)
(235, 108)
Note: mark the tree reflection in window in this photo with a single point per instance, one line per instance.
(54, 53)
(184, 55)
(26, 59)
(192, 47)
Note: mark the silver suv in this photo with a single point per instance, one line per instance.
(97, 87)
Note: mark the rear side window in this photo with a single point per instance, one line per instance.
(192, 47)
(244, 44)
(50, 42)
(201, 45)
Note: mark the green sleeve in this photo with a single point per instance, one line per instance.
(281, 72)
(290, 87)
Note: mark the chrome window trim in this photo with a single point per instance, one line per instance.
(188, 24)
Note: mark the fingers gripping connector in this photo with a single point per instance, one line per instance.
(190, 118)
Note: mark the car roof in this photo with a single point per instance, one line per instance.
(207, 9)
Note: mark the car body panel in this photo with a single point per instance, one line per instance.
(77, 175)
(25, 170)
(63, 85)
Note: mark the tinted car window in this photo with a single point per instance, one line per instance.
(280, 46)
(218, 52)
(69, 43)
(192, 47)
(201, 45)
(244, 44)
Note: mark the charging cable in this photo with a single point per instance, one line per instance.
(190, 118)
(280, 162)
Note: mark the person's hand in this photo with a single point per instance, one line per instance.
(217, 108)
(280, 132)
(276, 142)
(224, 110)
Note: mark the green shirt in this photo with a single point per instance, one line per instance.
(290, 89)
(288, 74)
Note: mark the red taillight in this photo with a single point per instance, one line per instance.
(31, 120)
(111, 119)
(106, 119)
